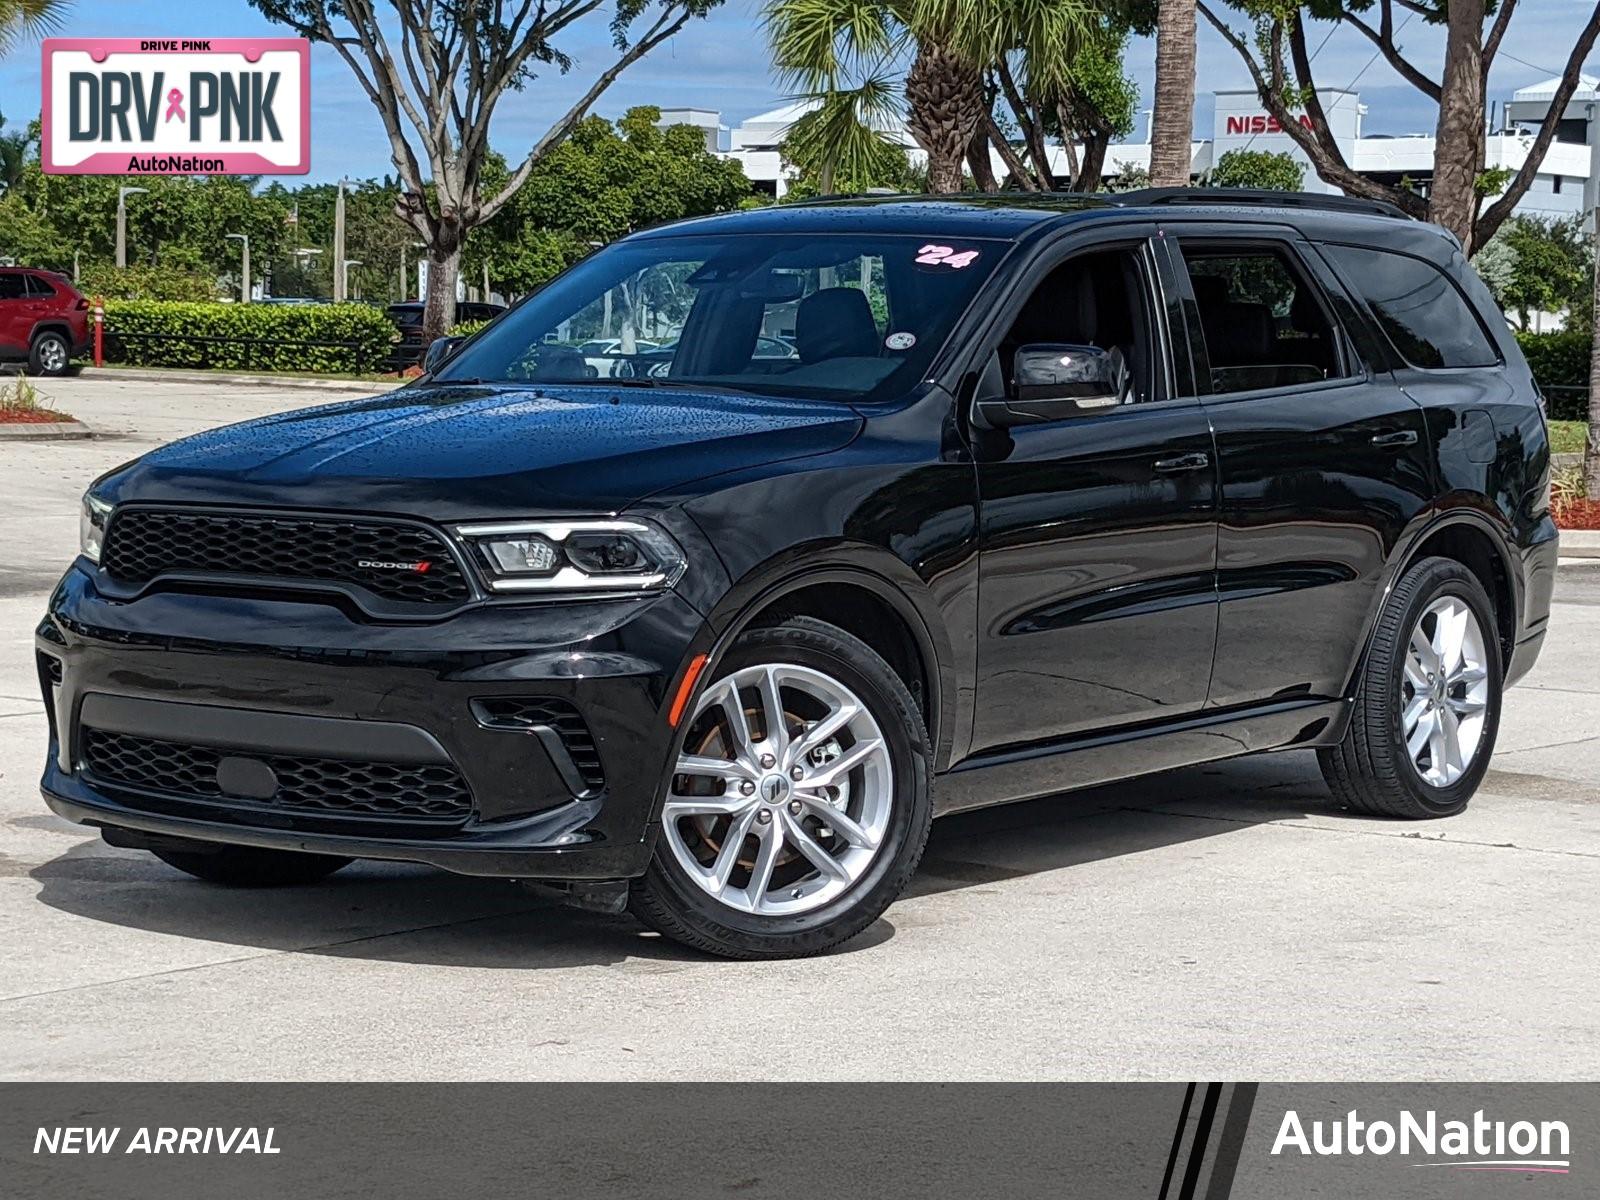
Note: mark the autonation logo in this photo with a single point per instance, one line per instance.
(1479, 1144)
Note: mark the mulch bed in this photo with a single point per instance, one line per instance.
(1576, 514)
(15, 415)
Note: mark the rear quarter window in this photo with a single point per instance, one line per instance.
(1420, 308)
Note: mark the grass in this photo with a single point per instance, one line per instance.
(1566, 437)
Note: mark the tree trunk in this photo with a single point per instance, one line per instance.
(444, 268)
(1591, 449)
(979, 164)
(1453, 201)
(1095, 144)
(1172, 123)
(945, 99)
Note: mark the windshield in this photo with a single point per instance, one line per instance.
(824, 316)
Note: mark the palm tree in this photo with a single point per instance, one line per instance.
(844, 54)
(27, 19)
(1172, 122)
(14, 149)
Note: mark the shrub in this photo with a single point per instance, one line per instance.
(1560, 362)
(250, 337)
(466, 328)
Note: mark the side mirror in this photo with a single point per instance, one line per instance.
(1053, 381)
(438, 350)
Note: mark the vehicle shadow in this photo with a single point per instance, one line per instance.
(406, 914)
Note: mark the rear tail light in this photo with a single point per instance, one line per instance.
(81, 305)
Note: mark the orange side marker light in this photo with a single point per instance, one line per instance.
(681, 700)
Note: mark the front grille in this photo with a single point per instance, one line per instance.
(143, 544)
(523, 712)
(328, 786)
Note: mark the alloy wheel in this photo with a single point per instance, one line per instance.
(1444, 691)
(784, 792)
(52, 355)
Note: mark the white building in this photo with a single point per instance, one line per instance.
(1239, 122)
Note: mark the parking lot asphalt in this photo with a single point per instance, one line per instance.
(1219, 922)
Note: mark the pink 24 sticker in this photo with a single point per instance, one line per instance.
(946, 256)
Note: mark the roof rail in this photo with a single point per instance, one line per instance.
(1230, 196)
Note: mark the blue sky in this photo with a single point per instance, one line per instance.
(720, 63)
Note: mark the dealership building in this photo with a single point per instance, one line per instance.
(1564, 187)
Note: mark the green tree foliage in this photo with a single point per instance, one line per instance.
(25, 20)
(603, 182)
(181, 222)
(1535, 266)
(140, 282)
(1265, 169)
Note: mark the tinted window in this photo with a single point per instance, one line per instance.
(1264, 325)
(1423, 312)
(862, 314)
(1097, 299)
(12, 287)
(39, 287)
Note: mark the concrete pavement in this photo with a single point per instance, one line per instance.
(1221, 922)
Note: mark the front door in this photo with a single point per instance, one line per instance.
(1097, 603)
(1323, 461)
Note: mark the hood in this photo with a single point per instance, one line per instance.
(474, 451)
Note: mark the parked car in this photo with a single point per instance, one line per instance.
(657, 363)
(1054, 491)
(44, 320)
(606, 354)
(407, 318)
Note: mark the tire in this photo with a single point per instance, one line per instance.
(249, 867)
(880, 790)
(1373, 770)
(49, 354)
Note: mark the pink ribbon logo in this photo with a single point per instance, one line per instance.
(175, 105)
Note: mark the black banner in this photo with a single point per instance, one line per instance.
(930, 1142)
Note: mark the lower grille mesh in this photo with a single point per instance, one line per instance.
(330, 786)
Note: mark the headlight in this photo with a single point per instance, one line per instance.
(92, 527)
(576, 556)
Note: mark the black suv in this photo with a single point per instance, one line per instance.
(1053, 491)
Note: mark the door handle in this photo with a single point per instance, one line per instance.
(1402, 437)
(1197, 461)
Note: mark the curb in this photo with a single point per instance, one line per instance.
(1580, 543)
(364, 387)
(45, 431)
(1566, 460)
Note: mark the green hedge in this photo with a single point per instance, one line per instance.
(1560, 362)
(466, 328)
(253, 337)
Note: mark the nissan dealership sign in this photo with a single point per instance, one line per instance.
(206, 106)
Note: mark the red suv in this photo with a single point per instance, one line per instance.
(43, 319)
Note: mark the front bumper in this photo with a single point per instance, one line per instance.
(286, 681)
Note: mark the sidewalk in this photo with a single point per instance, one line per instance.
(337, 383)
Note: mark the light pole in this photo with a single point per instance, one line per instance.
(338, 242)
(122, 222)
(244, 266)
(345, 281)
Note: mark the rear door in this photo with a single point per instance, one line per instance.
(1323, 460)
(1097, 606)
